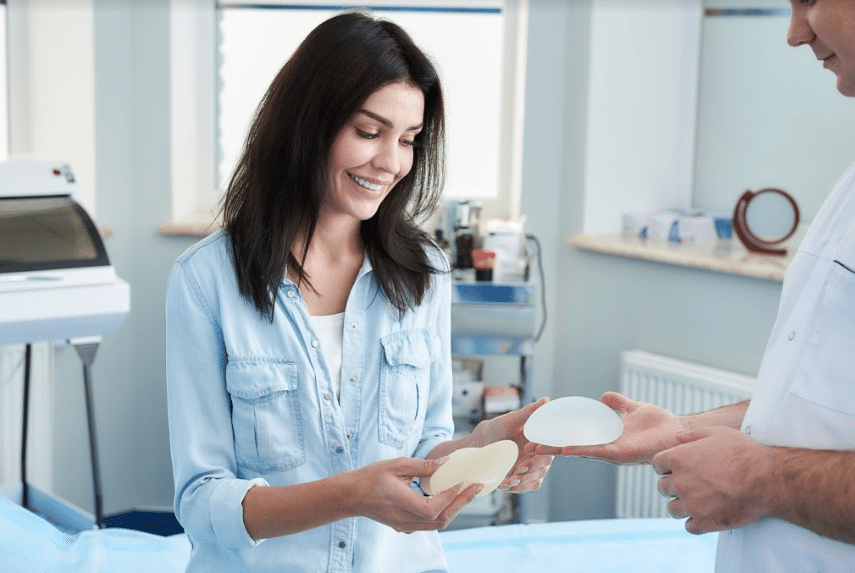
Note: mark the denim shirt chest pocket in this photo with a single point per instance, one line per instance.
(266, 421)
(404, 385)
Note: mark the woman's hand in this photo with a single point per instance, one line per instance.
(382, 492)
(531, 467)
(647, 430)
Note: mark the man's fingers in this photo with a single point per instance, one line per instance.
(618, 402)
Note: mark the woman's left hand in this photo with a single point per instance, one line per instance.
(530, 469)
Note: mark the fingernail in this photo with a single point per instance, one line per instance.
(524, 470)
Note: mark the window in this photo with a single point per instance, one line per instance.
(473, 43)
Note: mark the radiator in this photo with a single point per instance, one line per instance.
(40, 434)
(681, 387)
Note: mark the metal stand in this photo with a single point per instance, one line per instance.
(86, 349)
(25, 494)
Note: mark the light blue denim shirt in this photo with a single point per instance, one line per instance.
(251, 403)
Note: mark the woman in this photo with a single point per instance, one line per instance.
(308, 353)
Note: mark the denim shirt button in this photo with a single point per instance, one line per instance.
(327, 396)
(290, 293)
(342, 544)
(349, 436)
(339, 450)
(315, 343)
(354, 326)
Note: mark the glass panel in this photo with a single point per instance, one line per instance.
(47, 233)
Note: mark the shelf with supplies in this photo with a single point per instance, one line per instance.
(724, 256)
(491, 319)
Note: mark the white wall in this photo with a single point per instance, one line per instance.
(641, 108)
(601, 304)
(51, 80)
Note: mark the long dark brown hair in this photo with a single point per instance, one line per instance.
(279, 183)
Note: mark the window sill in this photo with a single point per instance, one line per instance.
(196, 227)
(725, 256)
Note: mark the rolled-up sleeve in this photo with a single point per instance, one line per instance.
(208, 493)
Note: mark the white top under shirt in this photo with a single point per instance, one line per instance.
(330, 331)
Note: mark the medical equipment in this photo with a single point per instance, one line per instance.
(56, 281)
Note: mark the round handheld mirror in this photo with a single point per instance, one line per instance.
(488, 465)
(765, 219)
(573, 421)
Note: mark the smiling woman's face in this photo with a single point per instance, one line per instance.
(373, 151)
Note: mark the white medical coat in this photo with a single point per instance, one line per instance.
(805, 394)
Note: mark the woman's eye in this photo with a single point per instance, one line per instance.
(366, 134)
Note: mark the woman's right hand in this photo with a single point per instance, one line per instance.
(382, 492)
(647, 430)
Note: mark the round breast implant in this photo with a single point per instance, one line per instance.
(573, 421)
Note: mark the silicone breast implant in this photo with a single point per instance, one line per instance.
(488, 465)
(573, 421)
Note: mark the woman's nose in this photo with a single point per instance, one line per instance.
(799, 32)
(388, 158)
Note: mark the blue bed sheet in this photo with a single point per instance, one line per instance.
(29, 544)
(597, 546)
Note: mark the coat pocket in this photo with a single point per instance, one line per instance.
(827, 375)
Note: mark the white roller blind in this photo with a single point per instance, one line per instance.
(4, 89)
(465, 42)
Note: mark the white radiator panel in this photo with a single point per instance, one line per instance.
(40, 434)
(681, 387)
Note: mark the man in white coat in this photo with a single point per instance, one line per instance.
(776, 474)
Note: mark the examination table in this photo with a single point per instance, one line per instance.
(30, 544)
